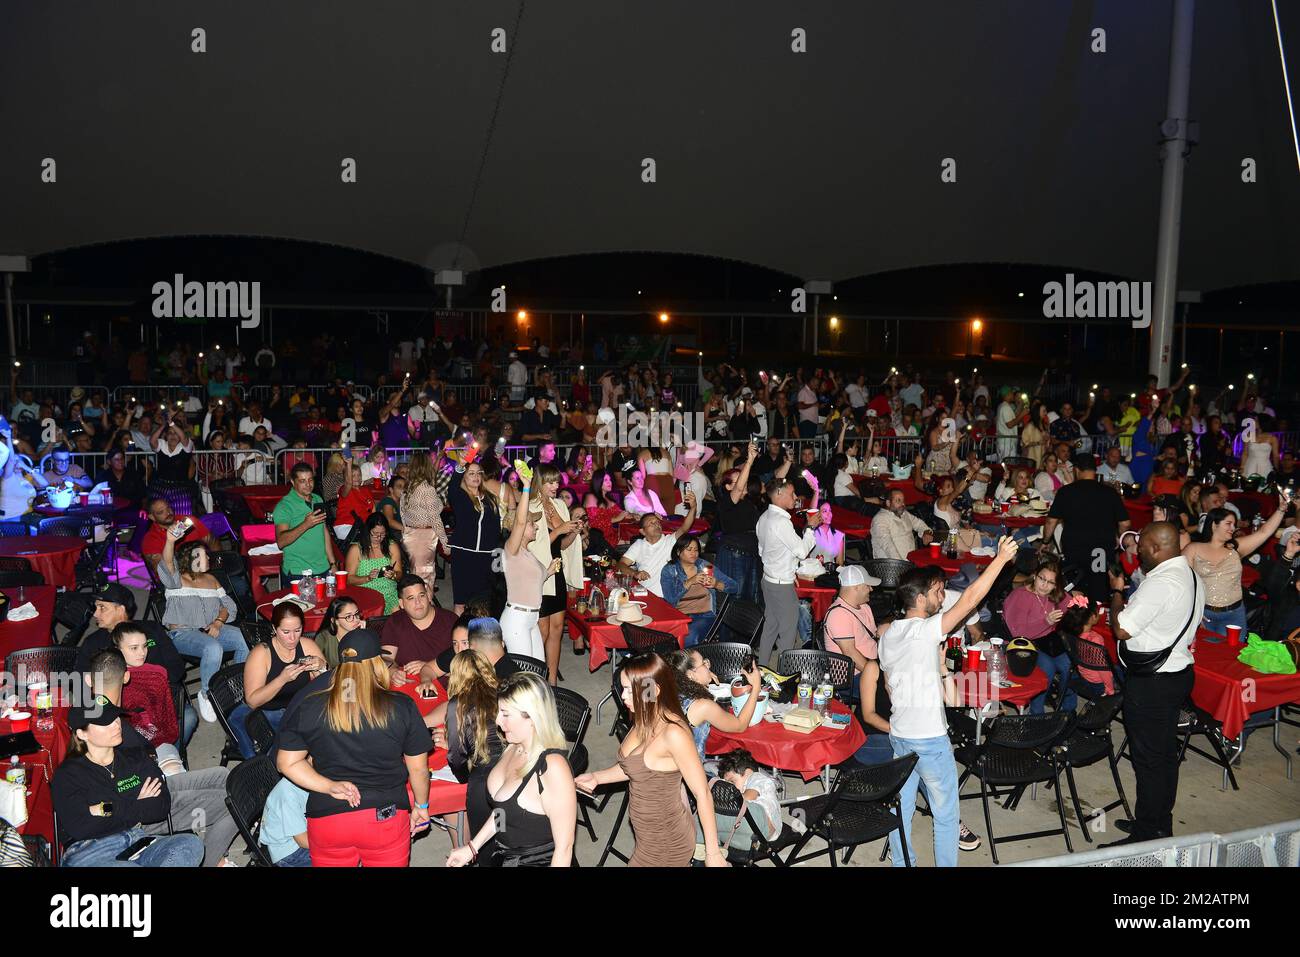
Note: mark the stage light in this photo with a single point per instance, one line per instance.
(663, 317)
(976, 326)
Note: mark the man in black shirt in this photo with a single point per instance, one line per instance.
(539, 423)
(771, 459)
(485, 637)
(1094, 517)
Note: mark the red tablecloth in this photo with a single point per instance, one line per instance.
(119, 503)
(974, 690)
(630, 531)
(259, 566)
(772, 745)
(54, 746)
(1010, 521)
(821, 598)
(261, 499)
(1266, 504)
(1231, 691)
(35, 632)
(911, 494)
(54, 556)
(922, 558)
(601, 635)
(369, 601)
(445, 797)
(1139, 511)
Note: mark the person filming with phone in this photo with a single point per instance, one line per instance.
(300, 528)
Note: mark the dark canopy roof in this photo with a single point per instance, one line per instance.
(824, 164)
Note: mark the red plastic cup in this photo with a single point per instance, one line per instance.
(19, 722)
(85, 498)
(972, 659)
(1234, 636)
(1006, 508)
(936, 550)
(376, 483)
(320, 590)
(340, 580)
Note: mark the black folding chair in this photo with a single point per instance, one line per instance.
(1095, 657)
(226, 692)
(17, 565)
(861, 807)
(183, 497)
(256, 633)
(41, 664)
(575, 715)
(1019, 751)
(12, 579)
(531, 665)
(739, 619)
(726, 658)
(15, 530)
(727, 800)
(248, 785)
(1089, 743)
(814, 664)
(71, 525)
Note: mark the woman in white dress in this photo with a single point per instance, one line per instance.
(1260, 456)
(639, 499)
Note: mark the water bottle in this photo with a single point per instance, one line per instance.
(997, 665)
(805, 691)
(45, 710)
(826, 692)
(307, 586)
(819, 700)
(331, 585)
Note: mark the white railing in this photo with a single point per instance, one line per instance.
(1274, 845)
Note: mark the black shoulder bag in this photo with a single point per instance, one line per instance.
(1145, 663)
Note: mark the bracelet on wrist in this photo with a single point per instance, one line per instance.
(424, 806)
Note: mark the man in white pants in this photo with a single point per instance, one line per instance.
(781, 550)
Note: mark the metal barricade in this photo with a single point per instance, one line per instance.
(1273, 845)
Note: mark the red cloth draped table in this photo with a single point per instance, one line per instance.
(1266, 505)
(775, 747)
(854, 525)
(602, 636)
(630, 531)
(54, 556)
(261, 499)
(1139, 511)
(35, 632)
(104, 512)
(975, 691)
(369, 601)
(259, 566)
(821, 598)
(445, 797)
(922, 558)
(911, 494)
(1009, 521)
(42, 765)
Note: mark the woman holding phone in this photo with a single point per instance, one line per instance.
(276, 671)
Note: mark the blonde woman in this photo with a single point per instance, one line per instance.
(557, 537)
(335, 477)
(525, 575)
(472, 741)
(355, 746)
(421, 510)
(530, 788)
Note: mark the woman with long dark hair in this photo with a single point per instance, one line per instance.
(1216, 555)
(692, 590)
(1034, 611)
(656, 758)
(341, 619)
(276, 671)
(374, 561)
(367, 744)
(476, 533)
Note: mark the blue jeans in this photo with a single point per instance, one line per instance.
(936, 771)
(189, 723)
(876, 749)
(169, 850)
(746, 570)
(242, 737)
(196, 643)
(1218, 621)
(1060, 668)
(299, 858)
(700, 625)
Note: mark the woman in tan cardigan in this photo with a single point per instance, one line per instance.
(560, 541)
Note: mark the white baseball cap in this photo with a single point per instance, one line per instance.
(851, 575)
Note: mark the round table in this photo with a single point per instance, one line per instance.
(34, 632)
(922, 558)
(54, 556)
(808, 754)
(369, 601)
(821, 598)
(445, 797)
(1010, 521)
(261, 499)
(911, 494)
(76, 510)
(975, 691)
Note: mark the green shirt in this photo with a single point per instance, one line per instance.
(308, 550)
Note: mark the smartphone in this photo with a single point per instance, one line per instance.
(430, 693)
(749, 663)
(304, 660)
(386, 813)
(139, 847)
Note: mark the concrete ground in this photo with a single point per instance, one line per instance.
(1266, 796)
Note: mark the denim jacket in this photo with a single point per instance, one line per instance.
(673, 581)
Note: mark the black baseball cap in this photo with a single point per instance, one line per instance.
(360, 645)
(118, 595)
(100, 711)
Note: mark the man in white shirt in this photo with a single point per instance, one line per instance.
(254, 418)
(646, 557)
(893, 527)
(1162, 616)
(781, 550)
(1008, 425)
(807, 403)
(517, 376)
(857, 393)
(911, 657)
(1113, 470)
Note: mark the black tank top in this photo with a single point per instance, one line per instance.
(281, 700)
(524, 831)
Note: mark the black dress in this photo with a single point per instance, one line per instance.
(475, 544)
(525, 838)
(477, 808)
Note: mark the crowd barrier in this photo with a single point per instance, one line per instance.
(1274, 845)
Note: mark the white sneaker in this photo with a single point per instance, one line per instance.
(206, 711)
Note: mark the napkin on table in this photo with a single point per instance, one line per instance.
(24, 612)
(268, 549)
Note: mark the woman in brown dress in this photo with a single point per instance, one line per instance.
(656, 757)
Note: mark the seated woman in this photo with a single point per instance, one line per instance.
(375, 561)
(690, 590)
(845, 492)
(694, 674)
(147, 696)
(275, 672)
(197, 611)
(594, 541)
(103, 796)
(829, 545)
(470, 734)
(530, 790)
(388, 505)
(342, 617)
(1034, 611)
(1048, 482)
(1165, 480)
(355, 501)
(641, 500)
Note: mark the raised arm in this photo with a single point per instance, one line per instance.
(972, 596)
(1248, 544)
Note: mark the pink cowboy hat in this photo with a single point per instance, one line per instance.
(693, 454)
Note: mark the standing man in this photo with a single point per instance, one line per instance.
(1009, 420)
(807, 401)
(781, 550)
(1094, 517)
(912, 658)
(300, 528)
(517, 377)
(1156, 628)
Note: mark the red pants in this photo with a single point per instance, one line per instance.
(355, 837)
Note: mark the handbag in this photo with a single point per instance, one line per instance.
(1144, 663)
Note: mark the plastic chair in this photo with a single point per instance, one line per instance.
(575, 714)
(12, 579)
(1091, 655)
(889, 571)
(1089, 743)
(16, 564)
(226, 692)
(727, 800)
(12, 529)
(248, 785)
(814, 664)
(740, 616)
(181, 496)
(861, 807)
(531, 665)
(725, 658)
(41, 664)
(71, 525)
